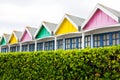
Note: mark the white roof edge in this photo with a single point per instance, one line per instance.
(45, 38)
(67, 34)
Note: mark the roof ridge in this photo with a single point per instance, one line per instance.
(73, 16)
(16, 31)
(45, 22)
(5, 34)
(28, 27)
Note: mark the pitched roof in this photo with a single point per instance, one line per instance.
(17, 35)
(6, 37)
(111, 12)
(32, 30)
(115, 12)
(48, 25)
(76, 21)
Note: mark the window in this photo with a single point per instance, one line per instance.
(4, 49)
(51, 45)
(60, 44)
(106, 40)
(67, 46)
(79, 43)
(96, 41)
(13, 49)
(24, 47)
(39, 46)
(31, 47)
(87, 41)
(18, 48)
(74, 43)
(115, 38)
(46, 46)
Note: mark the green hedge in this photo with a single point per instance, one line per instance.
(86, 64)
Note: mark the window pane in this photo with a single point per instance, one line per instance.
(51, 45)
(79, 43)
(113, 36)
(117, 41)
(99, 44)
(79, 39)
(108, 42)
(24, 47)
(104, 43)
(117, 35)
(46, 46)
(68, 44)
(60, 44)
(113, 42)
(73, 43)
(95, 38)
(87, 41)
(107, 36)
(88, 38)
(95, 43)
(89, 44)
(104, 37)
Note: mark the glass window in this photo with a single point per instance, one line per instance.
(60, 44)
(87, 41)
(96, 40)
(51, 45)
(67, 43)
(31, 47)
(46, 46)
(39, 46)
(74, 43)
(13, 49)
(115, 38)
(4, 49)
(24, 47)
(106, 40)
(18, 48)
(79, 43)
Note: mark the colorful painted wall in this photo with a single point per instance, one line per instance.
(26, 37)
(13, 39)
(43, 32)
(3, 42)
(66, 27)
(99, 19)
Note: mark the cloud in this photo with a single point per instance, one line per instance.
(15, 17)
(16, 14)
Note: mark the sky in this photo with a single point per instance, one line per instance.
(17, 14)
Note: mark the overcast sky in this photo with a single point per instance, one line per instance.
(17, 14)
